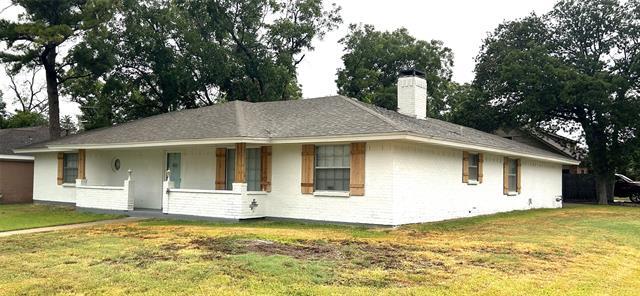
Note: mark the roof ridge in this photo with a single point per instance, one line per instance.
(372, 112)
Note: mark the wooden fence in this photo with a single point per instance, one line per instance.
(579, 188)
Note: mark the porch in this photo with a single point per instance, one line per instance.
(224, 181)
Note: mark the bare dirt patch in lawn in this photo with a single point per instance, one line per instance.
(344, 252)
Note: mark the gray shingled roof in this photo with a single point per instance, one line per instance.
(327, 116)
(13, 138)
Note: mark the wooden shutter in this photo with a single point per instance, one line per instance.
(518, 176)
(60, 168)
(81, 164)
(356, 175)
(465, 167)
(241, 163)
(221, 159)
(480, 167)
(265, 168)
(505, 176)
(308, 163)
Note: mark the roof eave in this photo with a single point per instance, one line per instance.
(310, 139)
(452, 144)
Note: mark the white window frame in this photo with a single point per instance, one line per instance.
(513, 174)
(65, 167)
(471, 167)
(316, 168)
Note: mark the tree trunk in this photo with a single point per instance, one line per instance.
(48, 59)
(602, 188)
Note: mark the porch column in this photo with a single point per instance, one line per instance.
(240, 180)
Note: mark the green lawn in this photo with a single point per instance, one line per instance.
(23, 216)
(579, 250)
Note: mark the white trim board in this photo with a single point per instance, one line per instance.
(15, 157)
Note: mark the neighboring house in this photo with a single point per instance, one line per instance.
(552, 142)
(16, 171)
(328, 159)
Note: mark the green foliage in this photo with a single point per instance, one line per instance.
(16, 217)
(574, 69)
(373, 60)
(34, 41)
(3, 112)
(158, 56)
(25, 119)
(67, 125)
(466, 106)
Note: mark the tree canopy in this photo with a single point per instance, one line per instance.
(574, 69)
(157, 56)
(374, 58)
(34, 40)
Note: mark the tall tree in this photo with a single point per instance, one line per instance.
(35, 39)
(574, 69)
(373, 60)
(158, 56)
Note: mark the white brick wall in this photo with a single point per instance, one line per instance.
(428, 185)
(287, 201)
(105, 197)
(404, 183)
(45, 184)
(214, 203)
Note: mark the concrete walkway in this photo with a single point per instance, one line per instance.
(70, 226)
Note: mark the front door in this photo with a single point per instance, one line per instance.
(173, 164)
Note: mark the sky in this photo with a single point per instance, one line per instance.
(461, 25)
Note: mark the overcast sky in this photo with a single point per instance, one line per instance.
(461, 25)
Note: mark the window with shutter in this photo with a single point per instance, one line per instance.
(356, 177)
(472, 164)
(332, 169)
(60, 178)
(512, 176)
(308, 161)
(265, 179)
(221, 160)
(70, 167)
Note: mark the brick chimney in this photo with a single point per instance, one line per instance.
(412, 93)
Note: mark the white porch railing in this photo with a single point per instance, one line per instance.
(228, 204)
(119, 198)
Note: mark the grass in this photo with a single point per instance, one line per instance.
(24, 216)
(578, 250)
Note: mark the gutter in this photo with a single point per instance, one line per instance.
(15, 157)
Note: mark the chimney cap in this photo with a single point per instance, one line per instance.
(412, 72)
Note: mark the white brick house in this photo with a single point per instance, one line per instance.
(328, 159)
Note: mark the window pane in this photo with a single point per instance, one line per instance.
(70, 167)
(473, 160)
(332, 179)
(513, 166)
(513, 183)
(473, 167)
(332, 167)
(230, 170)
(473, 173)
(253, 169)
